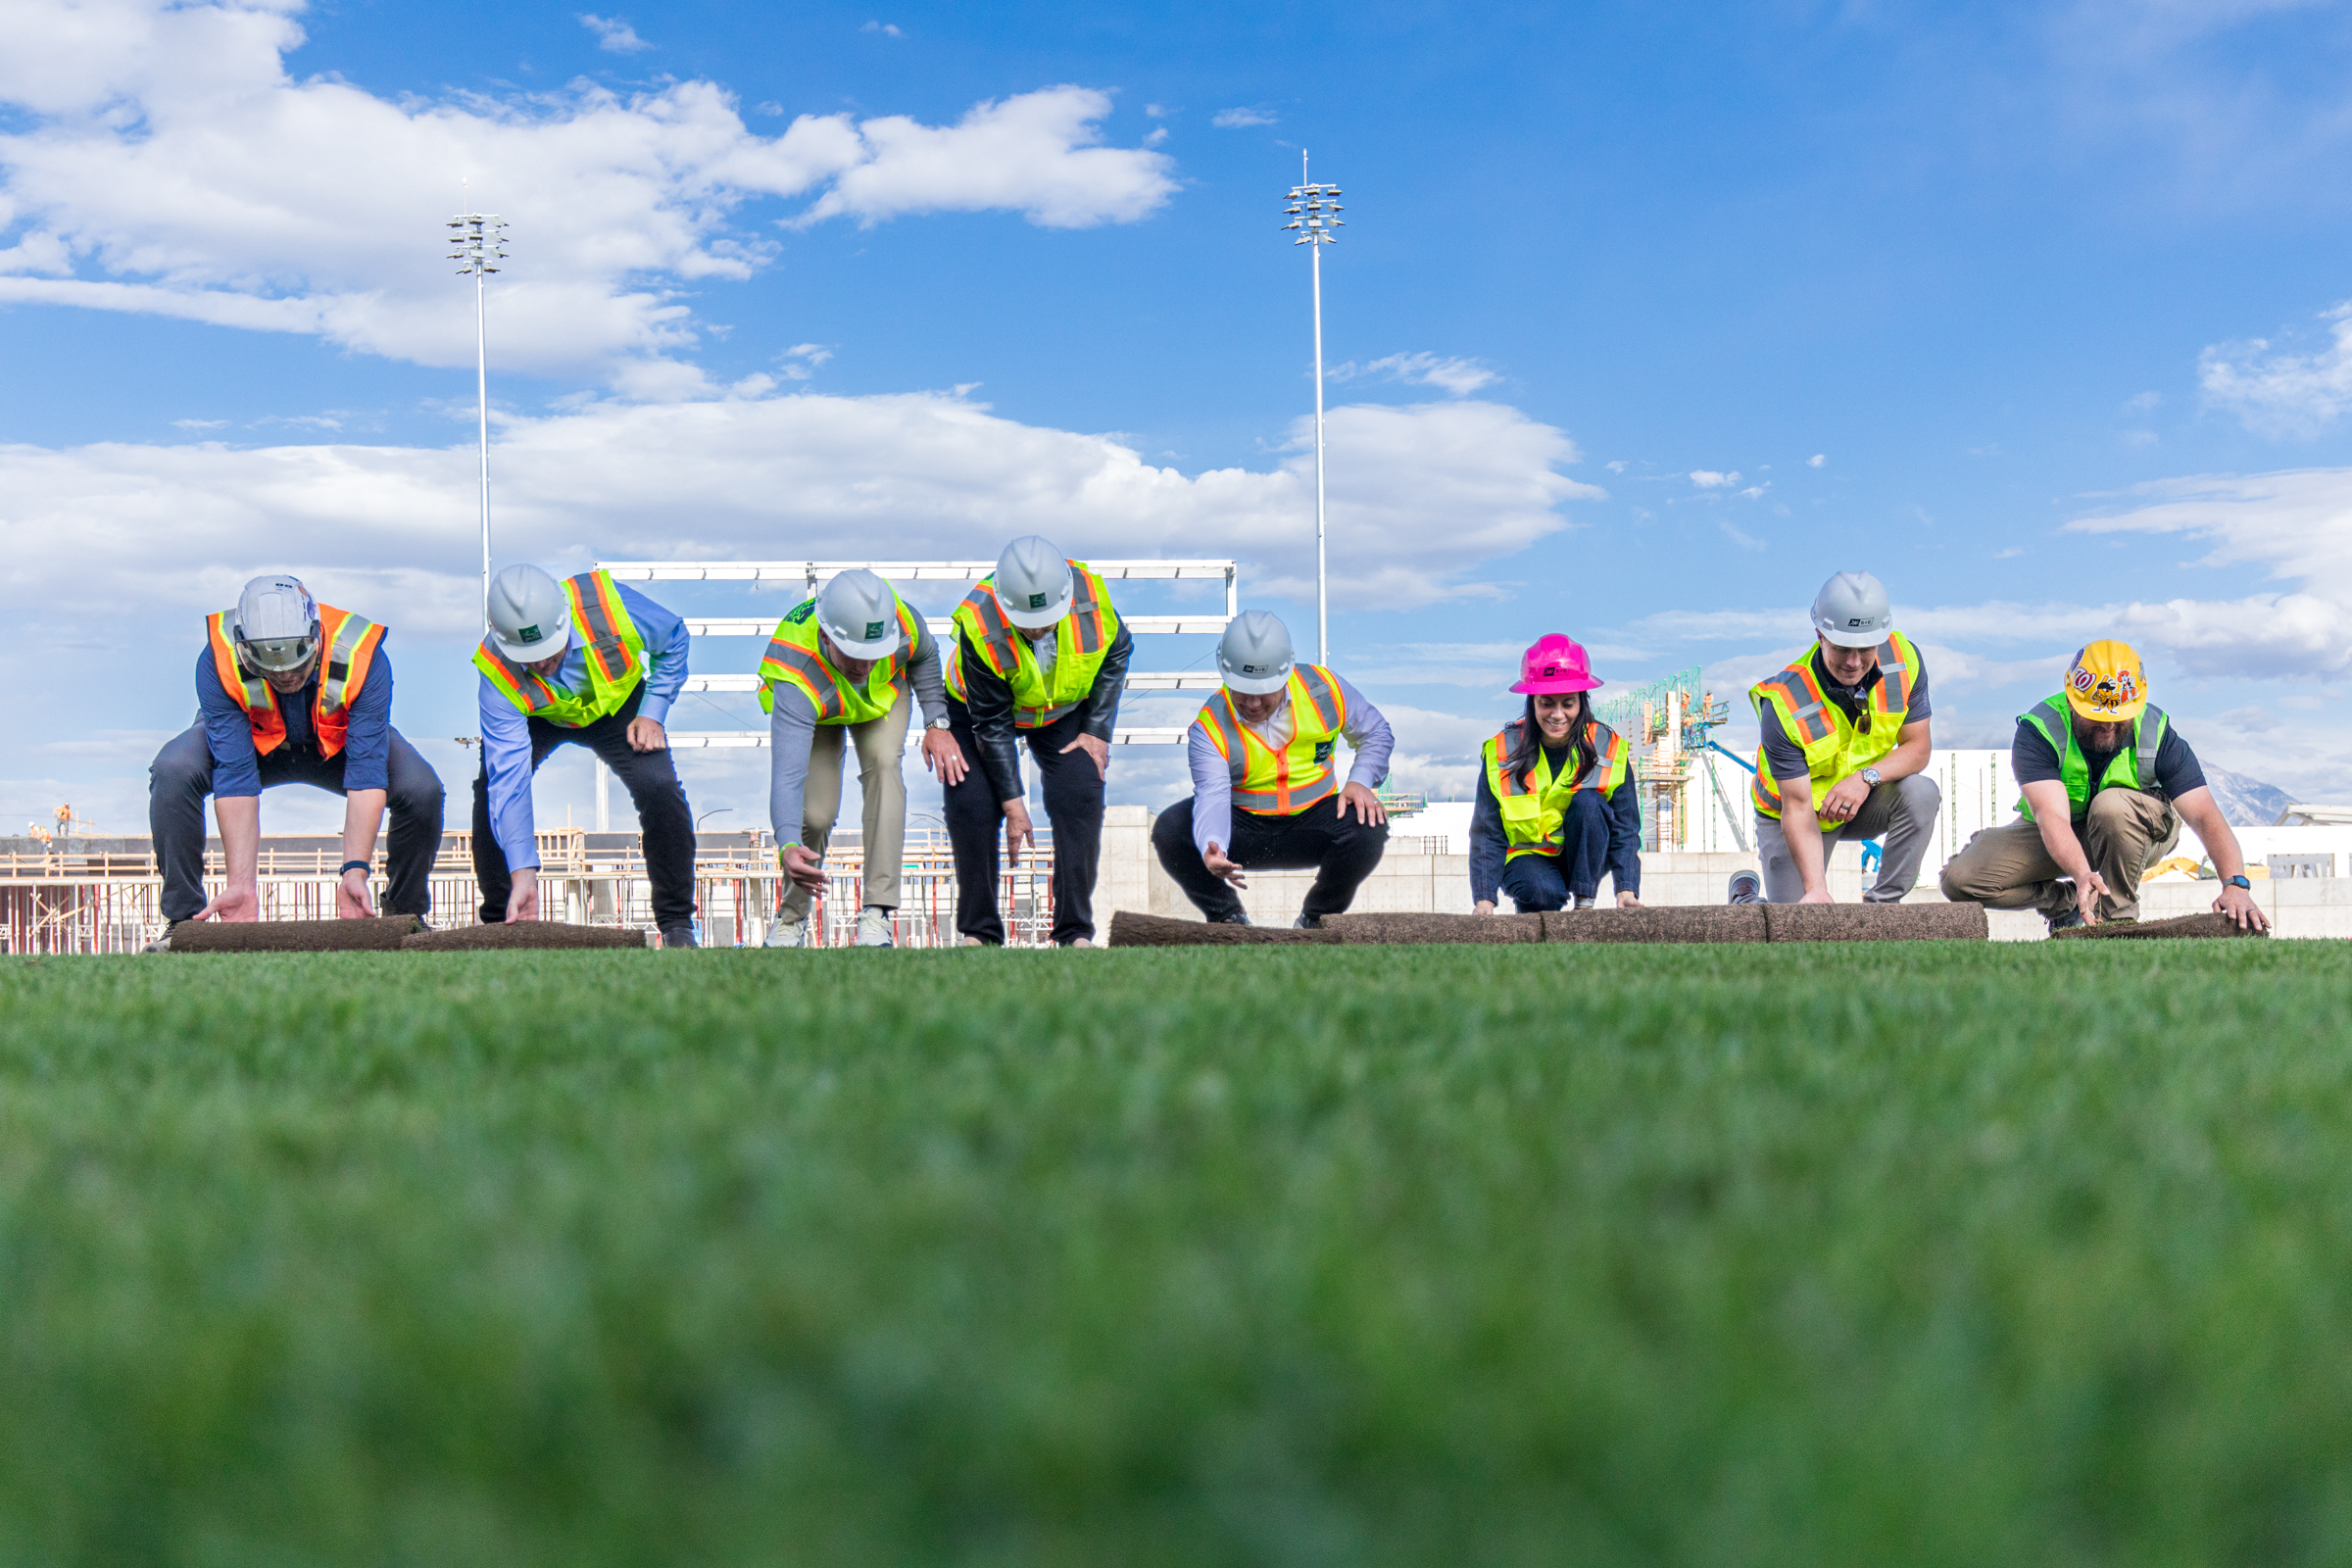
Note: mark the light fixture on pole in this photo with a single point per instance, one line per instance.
(479, 239)
(1314, 215)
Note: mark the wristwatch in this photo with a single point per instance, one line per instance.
(941, 723)
(1870, 776)
(2238, 882)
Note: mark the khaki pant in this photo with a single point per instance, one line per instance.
(2007, 867)
(881, 746)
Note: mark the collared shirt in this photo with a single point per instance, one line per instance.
(237, 765)
(1787, 759)
(1212, 775)
(507, 729)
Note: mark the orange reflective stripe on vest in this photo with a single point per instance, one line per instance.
(595, 609)
(1285, 782)
(347, 646)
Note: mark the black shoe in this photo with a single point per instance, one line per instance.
(679, 936)
(2066, 920)
(1236, 918)
(1746, 888)
(1307, 922)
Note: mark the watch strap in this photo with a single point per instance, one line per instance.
(348, 867)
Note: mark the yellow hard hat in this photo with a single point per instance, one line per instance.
(2106, 684)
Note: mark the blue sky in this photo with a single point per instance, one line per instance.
(2044, 289)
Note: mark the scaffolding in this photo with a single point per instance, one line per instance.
(1669, 726)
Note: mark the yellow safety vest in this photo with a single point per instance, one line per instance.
(616, 648)
(795, 656)
(1082, 640)
(1836, 747)
(1534, 810)
(1282, 783)
(348, 649)
(2132, 768)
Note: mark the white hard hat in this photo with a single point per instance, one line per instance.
(861, 614)
(1034, 583)
(276, 623)
(1254, 655)
(1852, 610)
(530, 619)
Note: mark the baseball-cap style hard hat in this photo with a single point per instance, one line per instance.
(1034, 583)
(1852, 610)
(530, 619)
(861, 614)
(2105, 684)
(276, 623)
(1254, 656)
(1554, 664)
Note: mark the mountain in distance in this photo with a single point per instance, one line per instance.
(2245, 802)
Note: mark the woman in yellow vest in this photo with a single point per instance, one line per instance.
(1555, 806)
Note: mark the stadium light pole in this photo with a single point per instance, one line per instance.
(1313, 211)
(478, 240)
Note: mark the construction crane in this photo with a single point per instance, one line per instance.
(1670, 726)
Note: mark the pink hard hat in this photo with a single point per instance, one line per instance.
(1556, 663)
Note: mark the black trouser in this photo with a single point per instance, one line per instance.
(662, 815)
(1343, 850)
(182, 776)
(1073, 790)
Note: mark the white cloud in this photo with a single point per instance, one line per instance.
(1709, 479)
(2282, 394)
(168, 164)
(889, 29)
(119, 529)
(1459, 376)
(1745, 541)
(1240, 119)
(802, 360)
(2143, 402)
(1817, 459)
(614, 34)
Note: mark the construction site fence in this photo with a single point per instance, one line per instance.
(62, 904)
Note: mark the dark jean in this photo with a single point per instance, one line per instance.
(182, 776)
(1073, 792)
(663, 817)
(1541, 882)
(1342, 850)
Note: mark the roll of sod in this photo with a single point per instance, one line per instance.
(535, 936)
(1876, 922)
(2208, 924)
(1131, 930)
(1706, 922)
(1361, 929)
(379, 933)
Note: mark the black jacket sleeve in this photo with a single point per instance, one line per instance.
(1625, 839)
(1489, 844)
(988, 700)
(1102, 704)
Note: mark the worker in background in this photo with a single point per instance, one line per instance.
(583, 663)
(1554, 808)
(1843, 751)
(1039, 658)
(2107, 783)
(844, 661)
(290, 691)
(1266, 789)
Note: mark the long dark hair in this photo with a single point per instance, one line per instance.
(1522, 761)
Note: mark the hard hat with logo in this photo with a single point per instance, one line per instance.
(1556, 663)
(1852, 610)
(2106, 684)
(1034, 583)
(861, 614)
(276, 623)
(1254, 655)
(530, 619)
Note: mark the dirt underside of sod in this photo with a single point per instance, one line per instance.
(1524, 1253)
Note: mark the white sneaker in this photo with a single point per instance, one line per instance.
(875, 927)
(786, 934)
(1079, 942)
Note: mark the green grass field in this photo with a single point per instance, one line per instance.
(1766, 1254)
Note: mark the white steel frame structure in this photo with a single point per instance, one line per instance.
(810, 574)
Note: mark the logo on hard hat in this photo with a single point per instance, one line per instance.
(1037, 600)
(528, 634)
(1253, 669)
(873, 631)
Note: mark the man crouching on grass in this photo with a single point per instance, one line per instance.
(2107, 782)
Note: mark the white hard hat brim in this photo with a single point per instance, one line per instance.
(1036, 620)
(533, 652)
(1256, 685)
(1839, 636)
(880, 648)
